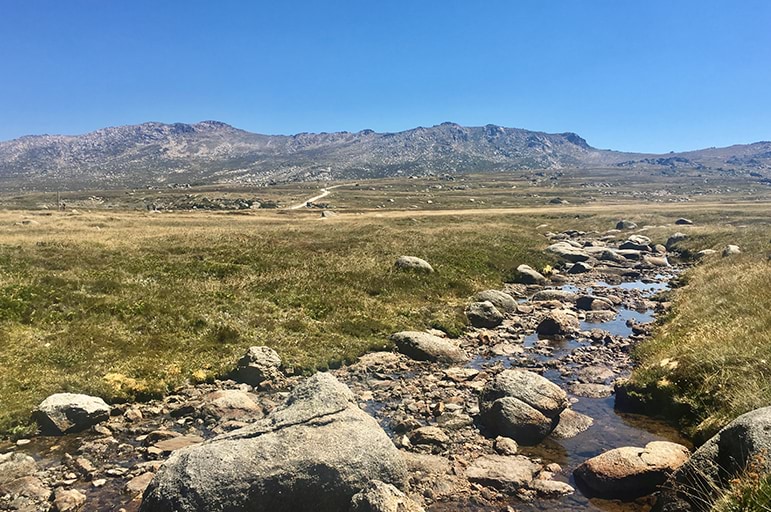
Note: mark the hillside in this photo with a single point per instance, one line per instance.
(214, 152)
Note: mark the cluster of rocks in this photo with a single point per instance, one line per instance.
(437, 421)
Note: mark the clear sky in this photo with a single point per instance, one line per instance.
(652, 75)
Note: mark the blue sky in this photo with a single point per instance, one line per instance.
(628, 75)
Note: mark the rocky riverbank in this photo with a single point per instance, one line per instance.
(511, 416)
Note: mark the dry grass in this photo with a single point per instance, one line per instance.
(711, 358)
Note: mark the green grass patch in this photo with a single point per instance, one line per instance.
(148, 302)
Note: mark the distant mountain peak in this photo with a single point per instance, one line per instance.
(212, 151)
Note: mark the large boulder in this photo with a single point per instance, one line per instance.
(558, 323)
(501, 300)
(521, 405)
(630, 471)
(414, 264)
(744, 441)
(63, 413)
(423, 346)
(484, 314)
(315, 452)
(258, 365)
(525, 274)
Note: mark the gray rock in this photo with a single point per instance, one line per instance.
(594, 303)
(521, 405)
(611, 255)
(568, 252)
(528, 275)
(315, 452)
(655, 261)
(591, 390)
(422, 346)
(580, 268)
(548, 295)
(63, 413)
(631, 471)
(484, 314)
(507, 473)
(381, 497)
(414, 264)
(258, 365)
(501, 300)
(551, 488)
(15, 465)
(630, 254)
(626, 224)
(745, 440)
(505, 446)
(571, 423)
(683, 221)
(68, 500)
(231, 404)
(674, 239)
(558, 322)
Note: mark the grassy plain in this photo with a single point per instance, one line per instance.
(124, 303)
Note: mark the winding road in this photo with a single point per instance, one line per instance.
(324, 193)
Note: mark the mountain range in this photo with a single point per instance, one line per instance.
(214, 152)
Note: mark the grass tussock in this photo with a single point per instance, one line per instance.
(711, 357)
(749, 492)
(129, 306)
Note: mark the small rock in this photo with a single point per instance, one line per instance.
(258, 365)
(730, 250)
(68, 500)
(378, 496)
(505, 446)
(414, 264)
(626, 224)
(683, 221)
(506, 473)
(138, 484)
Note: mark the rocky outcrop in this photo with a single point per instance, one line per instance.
(423, 346)
(63, 413)
(744, 441)
(630, 471)
(313, 453)
(414, 264)
(521, 405)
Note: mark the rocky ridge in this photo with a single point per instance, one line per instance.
(213, 152)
